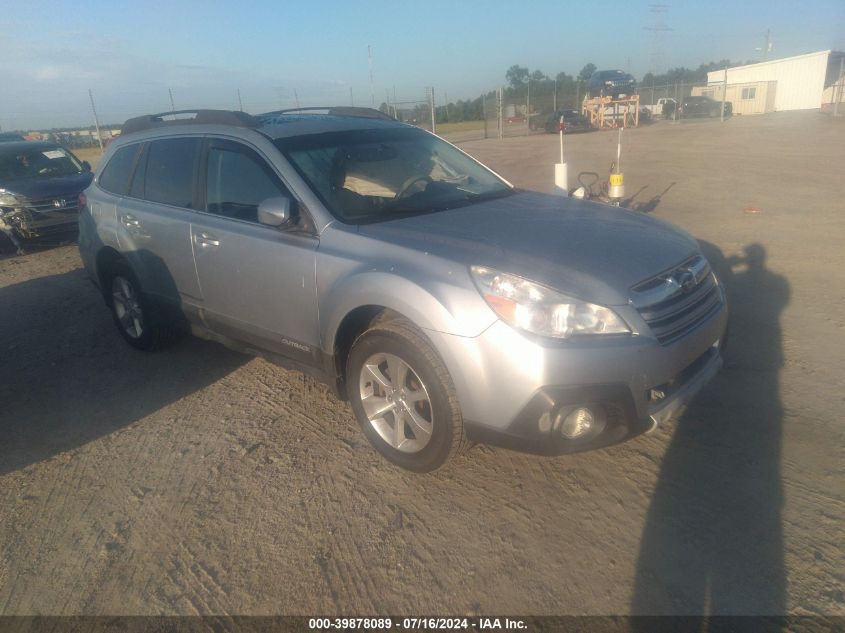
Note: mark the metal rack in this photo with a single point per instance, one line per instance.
(366, 113)
(219, 117)
(610, 113)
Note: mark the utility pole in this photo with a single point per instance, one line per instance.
(554, 98)
(351, 100)
(500, 111)
(172, 107)
(768, 48)
(432, 107)
(296, 98)
(370, 61)
(838, 93)
(484, 113)
(96, 121)
(528, 107)
(724, 95)
(658, 28)
(240, 103)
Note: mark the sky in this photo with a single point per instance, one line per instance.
(133, 55)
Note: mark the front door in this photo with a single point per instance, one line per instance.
(257, 281)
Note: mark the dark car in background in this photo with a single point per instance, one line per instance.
(703, 106)
(8, 137)
(611, 83)
(40, 183)
(573, 121)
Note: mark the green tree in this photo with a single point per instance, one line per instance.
(516, 75)
(586, 72)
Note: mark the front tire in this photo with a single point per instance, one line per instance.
(403, 397)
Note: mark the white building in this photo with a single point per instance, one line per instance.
(803, 82)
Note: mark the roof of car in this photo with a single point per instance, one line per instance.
(276, 125)
(609, 72)
(14, 146)
(290, 125)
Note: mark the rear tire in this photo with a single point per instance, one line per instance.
(394, 377)
(139, 321)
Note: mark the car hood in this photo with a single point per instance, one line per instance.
(39, 188)
(591, 251)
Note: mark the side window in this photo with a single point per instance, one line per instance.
(238, 180)
(115, 176)
(170, 171)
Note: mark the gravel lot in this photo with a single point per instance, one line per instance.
(197, 480)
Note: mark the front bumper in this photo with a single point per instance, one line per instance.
(512, 389)
(30, 224)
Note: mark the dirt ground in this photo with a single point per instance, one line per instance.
(197, 480)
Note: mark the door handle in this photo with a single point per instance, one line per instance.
(206, 239)
(133, 226)
(130, 222)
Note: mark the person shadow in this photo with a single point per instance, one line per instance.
(712, 543)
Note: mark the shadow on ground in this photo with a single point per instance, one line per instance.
(67, 378)
(713, 540)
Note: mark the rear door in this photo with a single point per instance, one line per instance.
(258, 281)
(154, 221)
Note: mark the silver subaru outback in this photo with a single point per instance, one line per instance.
(446, 305)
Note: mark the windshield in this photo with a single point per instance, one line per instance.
(375, 175)
(37, 162)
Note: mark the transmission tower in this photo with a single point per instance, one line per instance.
(658, 28)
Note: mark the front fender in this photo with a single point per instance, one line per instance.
(447, 309)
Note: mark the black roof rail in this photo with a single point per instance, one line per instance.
(221, 117)
(353, 111)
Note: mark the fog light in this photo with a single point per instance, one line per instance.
(577, 423)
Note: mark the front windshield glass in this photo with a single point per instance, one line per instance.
(37, 162)
(375, 175)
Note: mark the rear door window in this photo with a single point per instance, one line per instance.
(170, 166)
(118, 171)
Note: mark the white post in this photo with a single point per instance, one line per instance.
(561, 176)
(724, 95)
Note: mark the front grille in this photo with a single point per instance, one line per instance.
(678, 301)
(49, 204)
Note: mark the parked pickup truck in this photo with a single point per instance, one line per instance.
(657, 108)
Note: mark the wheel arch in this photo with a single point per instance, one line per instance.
(349, 307)
(106, 258)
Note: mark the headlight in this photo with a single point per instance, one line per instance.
(538, 309)
(8, 199)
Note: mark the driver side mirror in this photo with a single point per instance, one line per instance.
(276, 212)
(86, 166)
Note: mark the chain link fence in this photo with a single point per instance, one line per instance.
(505, 111)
